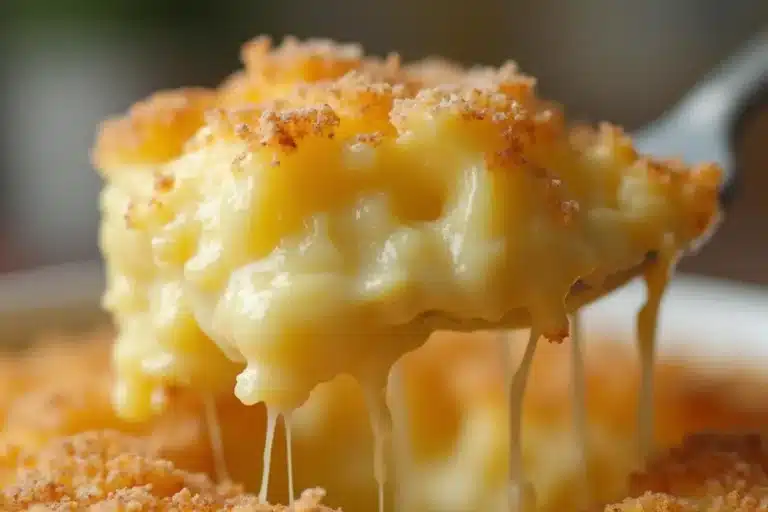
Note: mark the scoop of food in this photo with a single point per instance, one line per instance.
(323, 212)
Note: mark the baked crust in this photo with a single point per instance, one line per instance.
(453, 382)
(715, 472)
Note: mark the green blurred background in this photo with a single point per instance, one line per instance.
(65, 65)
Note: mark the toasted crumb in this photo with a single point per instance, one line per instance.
(707, 464)
(62, 389)
(294, 60)
(154, 130)
(318, 87)
(708, 472)
(105, 470)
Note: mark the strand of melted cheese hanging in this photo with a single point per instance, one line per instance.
(579, 400)
(269, 441)
(289, 456)
(656, 279)
(522, 496)
(398, 411)
(378, 414)
(505, 356)
(215, 438)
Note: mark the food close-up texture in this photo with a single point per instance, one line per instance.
(457, 432)
(322, 212)
(323, 275)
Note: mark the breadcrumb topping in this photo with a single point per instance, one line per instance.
(106, 470)
(708, 472)
(309, 61)
(62, 389)
(706, 463)
(325, 89)
(154, 130)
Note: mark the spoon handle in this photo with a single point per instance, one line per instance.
(705, 123)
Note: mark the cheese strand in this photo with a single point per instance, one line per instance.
(215, 437)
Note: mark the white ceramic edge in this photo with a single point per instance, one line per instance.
(706, 317)
(54, 287)
(713, 319)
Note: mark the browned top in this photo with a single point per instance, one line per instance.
(110, 471)
(322, 88)
(154, 130)
(63, 389)
(716, 473)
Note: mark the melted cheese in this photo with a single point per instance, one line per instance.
(214, 434)
(328, 232)
(289, 457)
(522, 495)
(252, 250)
(380, 424)
(269, 442)
(579, 400)
(401, 448)
(656, 279)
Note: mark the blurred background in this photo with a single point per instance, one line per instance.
(67, 64)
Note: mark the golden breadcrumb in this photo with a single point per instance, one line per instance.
(111, 471)
(154, 130)
(107, 470)
(708, 472)
(62, 389)
(302, 88)
(296, 61)
(270, 72)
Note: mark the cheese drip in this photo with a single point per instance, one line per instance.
(269, 441)
(379, 417)
(656, 278)
(215, 437)
(522, 496)
(579, 401)
(289, 457)
(401, 443)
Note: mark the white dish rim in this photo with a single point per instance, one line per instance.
(703, 318)
(711, 318)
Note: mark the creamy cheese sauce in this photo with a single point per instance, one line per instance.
(521, 496)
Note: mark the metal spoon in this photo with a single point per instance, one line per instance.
(707, 122)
